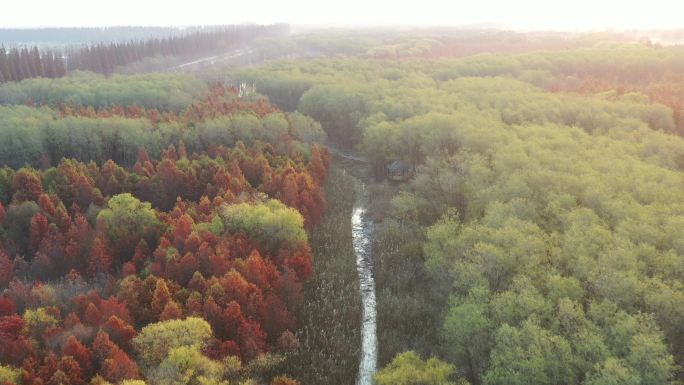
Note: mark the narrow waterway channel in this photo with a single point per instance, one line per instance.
(362, 230)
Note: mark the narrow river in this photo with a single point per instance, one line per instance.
(362, 229)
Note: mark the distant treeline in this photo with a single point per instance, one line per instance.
(28, 62)
(88, 35)
(163, 91)
(18, 64)
(112, 118)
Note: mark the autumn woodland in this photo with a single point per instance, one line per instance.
(176, 207)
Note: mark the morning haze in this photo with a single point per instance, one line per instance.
(341, 193)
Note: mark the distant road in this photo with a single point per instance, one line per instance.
(211, 60)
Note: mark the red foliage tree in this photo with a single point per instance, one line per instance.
(115, 364)
(113, 307)
(100, 259)
(6, 269)
(171, 311)
(120, 332)
(300, 261)
(92, 315)
(318, 165)
(230, 320)
(289, 190)
(103, 347)
(72, 370)
(127, 269)
(15, 345)
(118, 367)
(45, 204)
(38, 229)
(259, 271)
(160, 298)
(74, 348)
(252, 340)
(141, 254)
(27, 185)
(287, 342)
(62, 218)
(218, 349)
(182, 230)
(7, 306)
(187, 266)
(77, 238)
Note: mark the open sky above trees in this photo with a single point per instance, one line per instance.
(523, 14)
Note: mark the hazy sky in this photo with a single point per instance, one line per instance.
(521, 14)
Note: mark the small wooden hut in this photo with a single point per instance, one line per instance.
(399, 171)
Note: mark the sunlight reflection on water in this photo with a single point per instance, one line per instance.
(362, 229)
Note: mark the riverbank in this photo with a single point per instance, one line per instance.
(362, 238)
(330, 317)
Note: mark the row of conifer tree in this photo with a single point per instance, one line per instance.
(20, 63)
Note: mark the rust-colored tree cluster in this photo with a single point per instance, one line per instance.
(90, 254)
(221, 100)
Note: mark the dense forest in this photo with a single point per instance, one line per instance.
(165, 229)
(190, 255)
(537, 241)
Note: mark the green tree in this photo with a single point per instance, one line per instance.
(38, 321)
(613, 372)
(650, 358)
(305, 129)
(529, 355)
(338, 109)
(271, 223)
(9, 374)
(156, 341)
(409, 369)
(185, 365)
(467, 332)
(126, 221)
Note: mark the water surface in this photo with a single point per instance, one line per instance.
(362, 229)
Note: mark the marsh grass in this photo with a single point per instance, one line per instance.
(330, 316)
